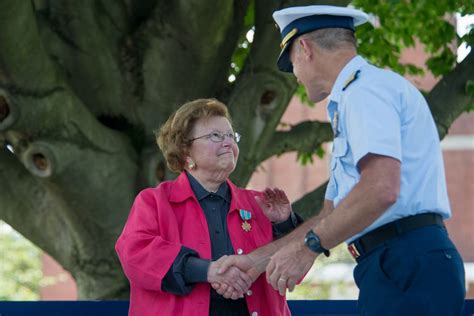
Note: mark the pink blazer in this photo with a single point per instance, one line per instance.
(163, 219)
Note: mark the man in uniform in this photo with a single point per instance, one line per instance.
(386, 195)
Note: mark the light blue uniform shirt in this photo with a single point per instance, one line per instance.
(382, 113)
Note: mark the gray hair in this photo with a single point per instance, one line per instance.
(333, 38)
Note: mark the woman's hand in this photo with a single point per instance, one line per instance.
(233, 283)
(275, 205)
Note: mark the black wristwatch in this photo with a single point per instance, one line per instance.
(313, 242)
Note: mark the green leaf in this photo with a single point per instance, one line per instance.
(442, 63)
(304, 158)
(307, 157)
(301, 93)
(470, 87)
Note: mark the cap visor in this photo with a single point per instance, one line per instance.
(284, 63)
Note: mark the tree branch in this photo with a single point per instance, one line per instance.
(176, 32)
(29, 199)
(311, 203)
(452, 87)
(22, 57)
(86, 40)
(261, 93)
(257, 103)
(80, 176)
(306, 136)
(83, 196)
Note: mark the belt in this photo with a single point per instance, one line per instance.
(391, 230)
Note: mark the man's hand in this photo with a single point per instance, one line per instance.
(288, 265)
(233, 283)
(250, 264)
(275, 205)
(243, 263)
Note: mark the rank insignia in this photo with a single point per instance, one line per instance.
(351, 79)
(245, 216)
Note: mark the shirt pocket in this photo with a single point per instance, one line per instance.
(339, 150)
(341, 168)
(339, 147)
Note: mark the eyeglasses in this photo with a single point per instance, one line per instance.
(218, 137)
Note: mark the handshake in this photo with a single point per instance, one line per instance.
(285, 260)
(232, 276)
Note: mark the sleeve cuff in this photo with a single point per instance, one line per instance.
(195, 270)
(285, 227)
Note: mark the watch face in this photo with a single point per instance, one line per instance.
(312, 242)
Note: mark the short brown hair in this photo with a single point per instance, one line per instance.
(173, 136)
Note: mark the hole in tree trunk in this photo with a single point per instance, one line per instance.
(4, 108)
(267, 97)
(40, 161)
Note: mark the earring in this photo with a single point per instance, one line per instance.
(191, 165)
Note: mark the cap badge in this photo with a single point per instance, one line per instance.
(288, 36)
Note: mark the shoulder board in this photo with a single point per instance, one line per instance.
(351, 79)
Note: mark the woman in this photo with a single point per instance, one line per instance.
(176, 233)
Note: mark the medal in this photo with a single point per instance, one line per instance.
(246, 226)
(335, 121)
(245, 216)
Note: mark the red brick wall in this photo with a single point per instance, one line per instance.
(460, 180)
(63, 287)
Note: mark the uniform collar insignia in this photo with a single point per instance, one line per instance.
(351, 79)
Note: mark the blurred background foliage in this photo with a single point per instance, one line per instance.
(317, 288)
(21, 276)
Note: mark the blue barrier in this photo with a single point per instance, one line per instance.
(120, 308)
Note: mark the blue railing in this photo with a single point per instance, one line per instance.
(120, 308)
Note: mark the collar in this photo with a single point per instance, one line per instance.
(346, 74)
(181, 190)
(201, 193)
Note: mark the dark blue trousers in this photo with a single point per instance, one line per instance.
(419, 273)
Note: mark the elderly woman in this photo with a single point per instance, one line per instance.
(177, 232)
